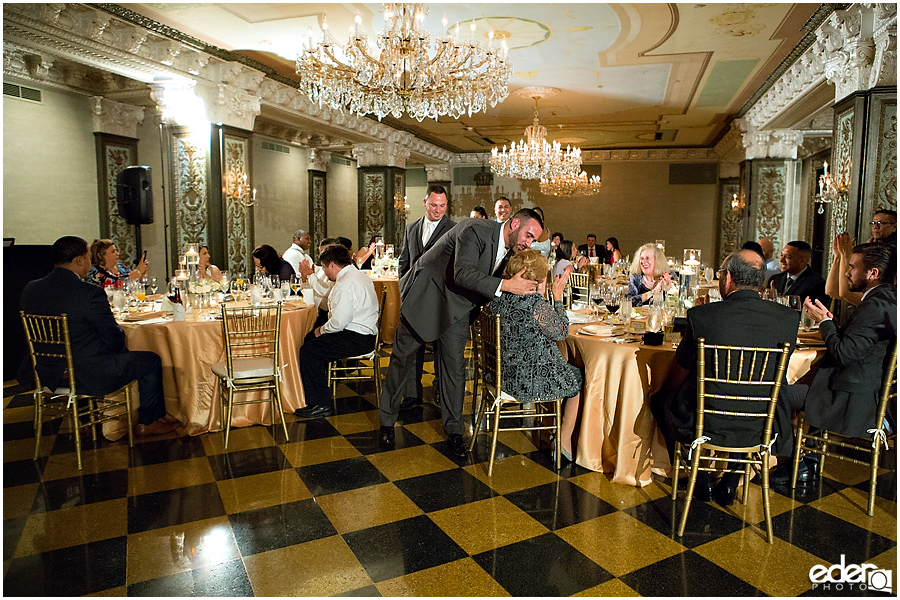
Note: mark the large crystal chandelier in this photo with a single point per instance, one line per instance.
(571, 185)
(536, 158)
(398, 75)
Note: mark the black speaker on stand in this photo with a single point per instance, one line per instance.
(134, 196)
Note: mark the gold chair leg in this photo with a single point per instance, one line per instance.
(798, 445)
(695, 465)
(823, 453)
(746, 497)
(478, 421)
(376, 366)
(92, 418)
(280, 411)
(38, 421)
(494, 439)
(873, 474)
(558, 434)
(128, 411)
(767, 509)
(76, 422)
(227, 410)
(676, 467)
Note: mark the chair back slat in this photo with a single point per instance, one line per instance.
(48, 339)
(489, 326)
(745, 369)
(251, 332)
(578, 285)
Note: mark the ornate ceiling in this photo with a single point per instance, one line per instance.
(627, 75)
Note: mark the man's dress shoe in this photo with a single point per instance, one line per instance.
(458, 446)
(724, 494)
(408, 403)
(386, 435)
(314, 411)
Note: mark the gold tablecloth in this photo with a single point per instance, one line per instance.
(391, 318)
(614, 428)
(188, 349)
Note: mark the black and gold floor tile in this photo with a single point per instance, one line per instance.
(333, 512)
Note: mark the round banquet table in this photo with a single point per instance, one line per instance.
(615, 431)
(189, 348)
(391, 318)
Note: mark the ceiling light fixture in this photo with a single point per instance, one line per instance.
(400, 76)
(536, 158)
(571, 185)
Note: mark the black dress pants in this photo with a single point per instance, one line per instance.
(317, 352)
(146, 367)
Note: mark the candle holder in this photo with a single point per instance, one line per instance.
(829, 190)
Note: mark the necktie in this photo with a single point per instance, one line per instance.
(789, 281)
(427, 229)
(498, 272)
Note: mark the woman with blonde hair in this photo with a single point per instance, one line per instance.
(649, 273)
(107, 269)
(533, 369)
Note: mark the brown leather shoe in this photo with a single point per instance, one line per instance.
(156, 428)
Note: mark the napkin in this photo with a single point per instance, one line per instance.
(144, 316)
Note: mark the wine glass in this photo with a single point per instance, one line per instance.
(795, 302)
(613, 300)
(596, 299)
(154, 285)
(296, 283)
(224, 280)
(140, 292)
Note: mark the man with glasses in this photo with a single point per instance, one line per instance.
(884, 226)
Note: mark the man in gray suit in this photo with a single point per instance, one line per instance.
(459, 273)
(420, 236)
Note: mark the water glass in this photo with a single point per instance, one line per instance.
(285, 289)
(795, 302)
(224, 281)
(119, 300)
(256, 294)
(806, 321)
(654, 318)
(625, 310)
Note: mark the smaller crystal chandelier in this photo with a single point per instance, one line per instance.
(737, 204)
(568, 185)
(829, 190)
(460, 77)
(536, 158)
(401, 207)
(236, 189)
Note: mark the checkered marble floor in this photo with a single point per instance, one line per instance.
(333, 513)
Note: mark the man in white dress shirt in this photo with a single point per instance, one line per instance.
(349, 331)
(298, 252)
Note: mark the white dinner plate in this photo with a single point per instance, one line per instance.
(576, 317)
(602, 330)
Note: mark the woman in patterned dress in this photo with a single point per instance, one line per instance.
(107, 269)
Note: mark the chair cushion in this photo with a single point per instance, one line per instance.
(246, 368)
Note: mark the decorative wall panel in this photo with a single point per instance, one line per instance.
(842, 155)
(190, 171)
(399, 216)
(769, 193)
(318, 200)
(238, 217)
(886, 160)
(730, 219)
(114, 153)
(372, 210)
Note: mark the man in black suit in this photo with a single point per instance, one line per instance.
(459, 273)
(796, 277)
(592, 249)
(102, 362)
(742, 318)
(420, 236)
(844, 394)
(884, 226)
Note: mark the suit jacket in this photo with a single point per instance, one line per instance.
(97, 340)
(808, 283)
(843, 396)
(598, 249)
(412, 242)
(451, 278)
(742, 319)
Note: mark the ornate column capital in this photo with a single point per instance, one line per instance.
(318, 160)
(387, 154)
(229, 105)
(777, 143)
(115, 117)
(438, 172)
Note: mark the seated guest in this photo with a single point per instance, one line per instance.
(345, 242)
(206, 270)
(565, 254)
(532, 367)
(318, 281)
(555, 239)
(267, 260)
(366, 254)
(612, 250)
(773, 267)
(107, 270)
(297, 253)
(756, 247)
(796, 278)
(648, 274)
(843, 396)
(590, 249)
(478, 212)
(884, 226)
(741, 319)
(102, 362)
(836, 285)
(350, 329)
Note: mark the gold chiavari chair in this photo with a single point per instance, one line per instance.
(502, 405)
(578, 289)
(351, 368)
(48, 340)
(252, 348)
(741, 371)
(825, 438)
